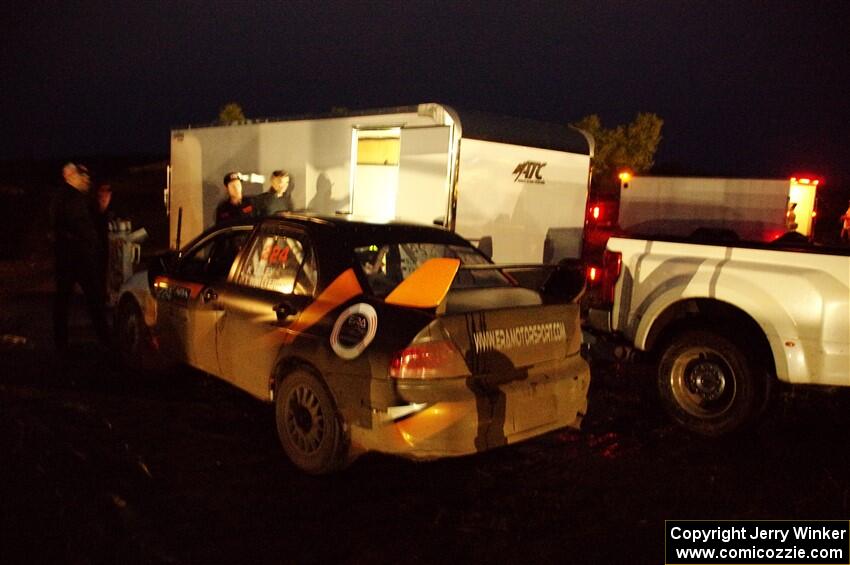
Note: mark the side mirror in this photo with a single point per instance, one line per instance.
(284, 310)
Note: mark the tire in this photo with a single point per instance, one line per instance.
(708, 386)
(134, 339)
(309, 425)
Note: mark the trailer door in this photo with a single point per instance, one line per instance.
(186, 189)
(423, 176)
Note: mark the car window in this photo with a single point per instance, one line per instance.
(387, 265)
(279, 262)
(212, 258)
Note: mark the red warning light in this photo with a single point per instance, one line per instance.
(806, 180)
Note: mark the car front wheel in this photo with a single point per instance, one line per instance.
(133, 336)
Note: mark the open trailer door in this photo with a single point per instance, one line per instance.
(423, 175)
(802, 205)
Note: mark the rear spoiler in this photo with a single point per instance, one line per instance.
(428, 285)
(560, 283)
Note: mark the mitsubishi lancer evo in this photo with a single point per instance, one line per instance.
(395, 338)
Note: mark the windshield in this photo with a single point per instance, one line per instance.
(387, 265)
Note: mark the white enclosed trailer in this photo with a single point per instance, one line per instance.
(755, 209)
(517, 187)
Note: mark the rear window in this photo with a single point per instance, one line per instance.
(387, 265)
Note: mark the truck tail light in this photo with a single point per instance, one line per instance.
(612, 262)
(594, 273)
(428, 360)
(601, 213)
(596, 213)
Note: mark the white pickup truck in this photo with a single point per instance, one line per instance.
(725, 320)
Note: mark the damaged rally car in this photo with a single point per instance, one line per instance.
(388, 337)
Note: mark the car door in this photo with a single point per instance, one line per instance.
(273, 283)
(187, 297)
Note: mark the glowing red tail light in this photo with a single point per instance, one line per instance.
(612, 262)
(595, 213)
(593, 274)
(428, 360)
(601, 213)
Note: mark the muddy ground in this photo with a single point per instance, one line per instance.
(99, 466)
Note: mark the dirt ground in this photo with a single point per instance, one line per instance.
(100, 466)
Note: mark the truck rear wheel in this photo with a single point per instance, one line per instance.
(708, 386)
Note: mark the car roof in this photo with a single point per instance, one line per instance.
(336, 237)
(357, 232)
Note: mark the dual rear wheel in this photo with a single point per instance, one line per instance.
(709, 385)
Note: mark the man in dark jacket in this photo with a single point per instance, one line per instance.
(78, 255)
(278, 197)
(233, 206)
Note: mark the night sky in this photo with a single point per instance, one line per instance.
(745, 88)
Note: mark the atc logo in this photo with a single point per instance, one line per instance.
(529, 172)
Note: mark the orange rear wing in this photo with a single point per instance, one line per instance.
(428, 285)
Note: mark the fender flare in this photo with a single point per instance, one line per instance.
(783, 361)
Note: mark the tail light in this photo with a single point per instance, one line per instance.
(596, 213)
(594, 273)
(428, 360)
(612, 263)
(601, 213)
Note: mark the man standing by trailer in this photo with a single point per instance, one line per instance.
(234, 205)
(78, 255)
(279, 196)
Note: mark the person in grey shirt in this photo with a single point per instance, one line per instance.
(278, 197)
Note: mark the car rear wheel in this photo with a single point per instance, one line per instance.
(707, 384)
(309, 425)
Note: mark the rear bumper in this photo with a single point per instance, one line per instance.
(463, 416)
